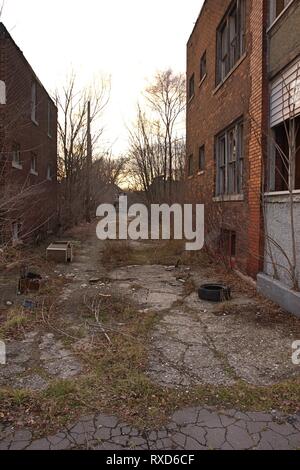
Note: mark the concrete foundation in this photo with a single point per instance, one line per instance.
(274, 290)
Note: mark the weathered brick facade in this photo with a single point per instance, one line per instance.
(36, 139)
(212, 109)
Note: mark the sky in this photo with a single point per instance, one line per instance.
(126, 40)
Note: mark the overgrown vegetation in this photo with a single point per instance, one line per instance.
(115, 380)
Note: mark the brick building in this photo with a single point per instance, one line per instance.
(227, 79)
(28, 147)
(243, 137)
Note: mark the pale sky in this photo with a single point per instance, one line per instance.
(125, 39)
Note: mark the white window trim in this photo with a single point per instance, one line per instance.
(17, 166)
(273, 23)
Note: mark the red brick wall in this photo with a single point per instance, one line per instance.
(40, 204)
(212, 110)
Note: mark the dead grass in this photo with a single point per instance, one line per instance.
(166, 253)
(115, 382)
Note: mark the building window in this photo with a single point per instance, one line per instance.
(16, 156)
(277, 7)
(192, 86)
(286, 140)
(2, 92)
(34, 102)
(16, 231)
(231, 39)
(34, 163)
(202, 158)
(190, 165)
(229, 161)
(203, 69)
(49, 172)
(49, 119)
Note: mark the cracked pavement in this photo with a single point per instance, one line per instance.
(193, 343)
(192, 429)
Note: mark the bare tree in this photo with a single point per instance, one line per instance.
(73, 139)
(157, 154)
(167, 98)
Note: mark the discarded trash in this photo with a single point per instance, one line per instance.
(214, 292)
(28, 304)
(29, 281)
(9, 303)
(94, 280)
(60, 252)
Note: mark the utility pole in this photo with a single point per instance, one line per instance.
(88, 164)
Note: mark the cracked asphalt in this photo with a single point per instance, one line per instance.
(192, 344)
(189, 429)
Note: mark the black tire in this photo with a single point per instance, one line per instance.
(214, 293)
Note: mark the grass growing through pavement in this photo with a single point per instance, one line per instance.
(114, 378)
(166, 253)
(115, 382)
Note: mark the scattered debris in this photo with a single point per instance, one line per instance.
(60, 252)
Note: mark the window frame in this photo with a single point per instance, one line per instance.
(203, 66)
(273, 15)
(34, 93)
(201, 164)
(230, 49)
(34, 167)
(191, 87)
(49, 174)
(190, 168)
(230, 165)
(16, 151)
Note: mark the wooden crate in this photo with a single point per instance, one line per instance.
(60, 252)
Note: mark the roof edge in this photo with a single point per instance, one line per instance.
(4, 34)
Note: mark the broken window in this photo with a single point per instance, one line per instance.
(192, 86)
(277, 7)
(230, 39)
(203, 69)
(2, 92)
(229, 160)
(285, 156)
